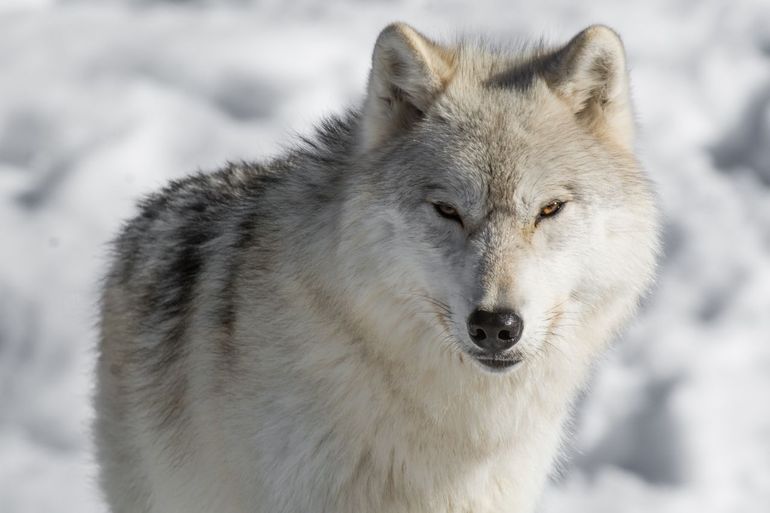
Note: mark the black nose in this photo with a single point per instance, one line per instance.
(495, 331)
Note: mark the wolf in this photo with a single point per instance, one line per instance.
(397, 314)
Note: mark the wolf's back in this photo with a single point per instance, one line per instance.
(174, 265)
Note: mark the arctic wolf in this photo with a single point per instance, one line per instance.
(396, 315)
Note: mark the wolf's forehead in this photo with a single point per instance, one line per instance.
(500, 132)
(513, 139)
(512, 146)
(503, 116)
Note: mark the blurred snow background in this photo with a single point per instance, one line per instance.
(103, 101)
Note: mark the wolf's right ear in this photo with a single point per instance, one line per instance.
(408, 72)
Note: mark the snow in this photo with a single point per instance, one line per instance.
(101, 102)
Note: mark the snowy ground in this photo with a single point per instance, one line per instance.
(103, 101)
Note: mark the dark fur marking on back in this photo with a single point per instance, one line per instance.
(163, 251)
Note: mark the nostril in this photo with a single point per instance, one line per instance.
(478, 334)
(504, 335)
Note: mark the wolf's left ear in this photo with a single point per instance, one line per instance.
(590, 74)
(408, 72)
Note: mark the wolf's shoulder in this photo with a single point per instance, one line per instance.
(202, 195)
(191, 214)
(193, 220)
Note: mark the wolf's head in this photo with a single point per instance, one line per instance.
(499, 206)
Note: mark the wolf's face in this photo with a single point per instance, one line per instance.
(507, 206)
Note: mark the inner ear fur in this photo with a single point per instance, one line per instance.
(589, 74)
(408, 72)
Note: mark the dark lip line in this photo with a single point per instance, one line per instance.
(497, 362)
(496, 357)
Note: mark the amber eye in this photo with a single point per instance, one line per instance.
(551, 209)
(448, 211)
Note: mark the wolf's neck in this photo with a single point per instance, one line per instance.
(496, 439)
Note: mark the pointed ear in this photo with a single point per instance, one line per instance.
(408, 72)
(589, 73)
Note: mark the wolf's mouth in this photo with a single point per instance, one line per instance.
(497, 363)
